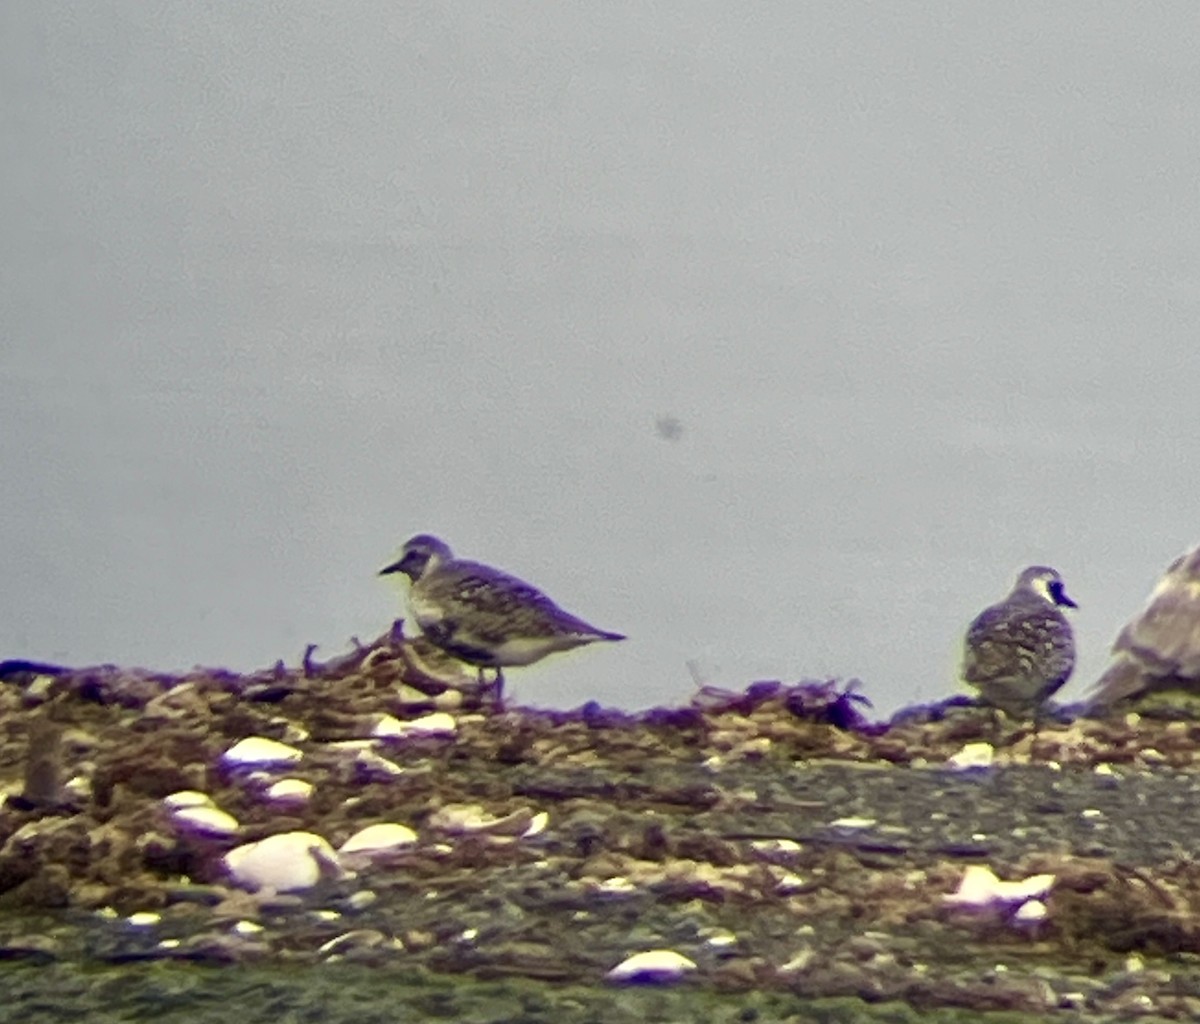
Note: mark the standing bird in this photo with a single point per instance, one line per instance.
(483, 616)
(1160, 648)
(1020, 651)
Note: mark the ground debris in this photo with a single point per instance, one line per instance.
(774, 837)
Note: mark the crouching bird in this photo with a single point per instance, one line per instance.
(1019, 652)
(1160, 647)
(484, 616)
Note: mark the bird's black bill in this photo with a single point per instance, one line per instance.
(1060, 596)
(411, 563)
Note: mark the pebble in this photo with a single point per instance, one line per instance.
(379, 838)
(652, 967)
(376, 766)
(207, 820)
(468, 818)
(283, 863)
(260, 751)
(980, 887)
(439, 725)
(187, 798)
(1031, 912)
(973, 756)
(290, 791)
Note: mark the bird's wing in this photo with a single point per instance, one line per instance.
(1005, 641)
(1165, 638)
(1125, 677)
(494, 602)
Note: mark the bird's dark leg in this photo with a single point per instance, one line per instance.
(497, 686)
(997, 727)
(1039, 719)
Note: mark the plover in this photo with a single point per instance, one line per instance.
(1020, 651)
(1159, 648)
(483, 616)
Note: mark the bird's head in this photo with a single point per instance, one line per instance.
(420, 554)
(1047, 584)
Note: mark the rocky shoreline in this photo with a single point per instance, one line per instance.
(789, 849)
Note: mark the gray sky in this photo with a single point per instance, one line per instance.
(281, 285)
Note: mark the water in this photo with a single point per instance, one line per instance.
(918, 286)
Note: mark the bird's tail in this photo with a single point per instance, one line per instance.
(1123, 678)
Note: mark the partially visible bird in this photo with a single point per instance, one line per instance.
(1160, 647)
(1019, 652)
(483, 616)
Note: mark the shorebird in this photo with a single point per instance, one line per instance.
(1159, 648)
(483, 616)
(1020, 651)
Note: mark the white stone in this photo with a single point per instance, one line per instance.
(187, 798)
(467, 818)
(788, 882)
(379, 838)
(619, 886)
(362, 899)
(775, 846)
(799, 962)
(347, 746)
(439, 724)
(144, 919)
(283, 863)
(852, 823)
(537, 826)
(654, 966)
(290, 791)
(206, 819)
(78, 786)
(980, 887)
(361, 938)
(258, 750)
(370, 761)
(388, 727)
(1031, 912)
(972, 756)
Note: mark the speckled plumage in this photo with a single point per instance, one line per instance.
(1019, 652)
(484, 616)
(1160, 647)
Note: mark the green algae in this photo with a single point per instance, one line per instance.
(169, 992)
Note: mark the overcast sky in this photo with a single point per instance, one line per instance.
(915, 288)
